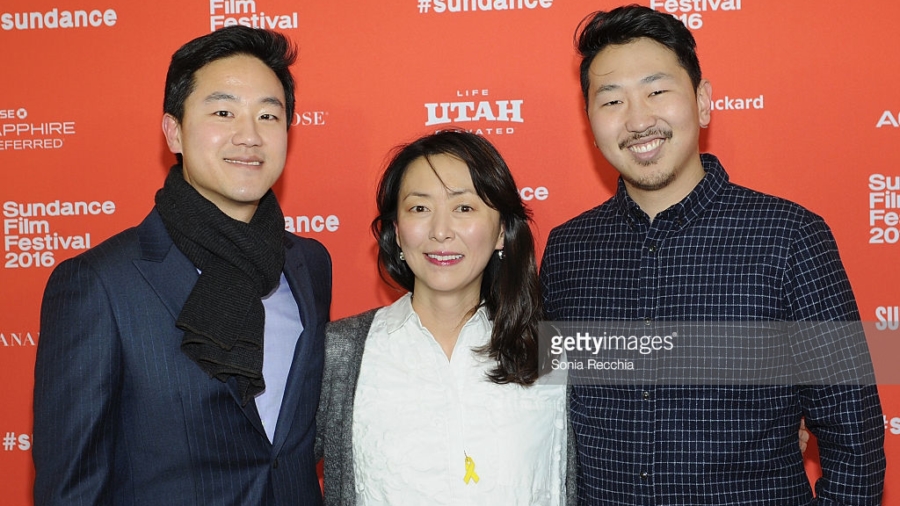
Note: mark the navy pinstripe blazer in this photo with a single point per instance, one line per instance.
(122, 416)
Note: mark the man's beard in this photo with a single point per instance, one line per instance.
(651, 183)
(656, 181)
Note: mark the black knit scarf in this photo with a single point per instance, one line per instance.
(224, 319)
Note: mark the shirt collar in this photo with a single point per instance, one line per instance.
(401, 311)
(707, 191)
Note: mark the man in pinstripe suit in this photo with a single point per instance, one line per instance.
(677, 249)
(180, 361)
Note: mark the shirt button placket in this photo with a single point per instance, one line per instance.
(648, 286)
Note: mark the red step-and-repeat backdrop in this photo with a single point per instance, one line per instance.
(805, 96)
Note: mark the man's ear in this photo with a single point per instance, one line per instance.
(704, 102)
(172, 130)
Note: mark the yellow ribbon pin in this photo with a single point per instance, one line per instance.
(470, 470)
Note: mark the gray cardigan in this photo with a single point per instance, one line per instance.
(345, 341)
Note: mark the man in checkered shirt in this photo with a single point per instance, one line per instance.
(679, 243)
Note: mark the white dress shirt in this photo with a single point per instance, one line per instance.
(417, 415)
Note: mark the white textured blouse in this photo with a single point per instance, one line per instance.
(418, 415)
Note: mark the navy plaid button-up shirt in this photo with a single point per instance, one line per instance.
(724, 253)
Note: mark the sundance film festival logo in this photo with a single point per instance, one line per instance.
(476, 106)
(690, 12)
(55, 18)
(28, 237)
(451, 6)
(224, 13)
(884, 204)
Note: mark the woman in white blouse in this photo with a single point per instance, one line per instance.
(439, 398)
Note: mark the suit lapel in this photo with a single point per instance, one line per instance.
(172, 276)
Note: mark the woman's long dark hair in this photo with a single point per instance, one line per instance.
(509, 288)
